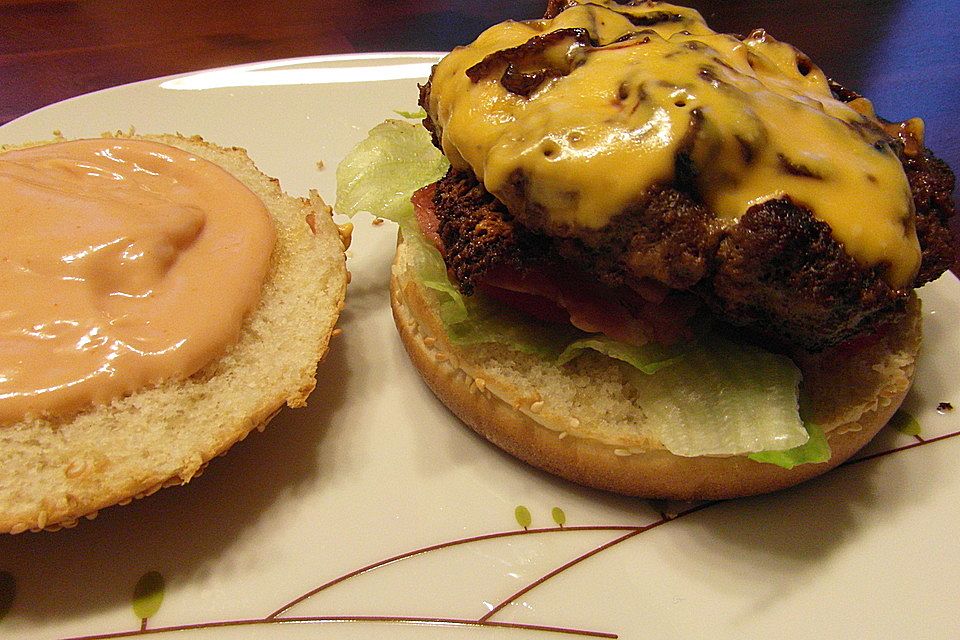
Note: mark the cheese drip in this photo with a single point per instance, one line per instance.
(570, 121)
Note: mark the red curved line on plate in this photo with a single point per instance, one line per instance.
(450, 622)
(592, 552)
(442, 545)
(912, 445)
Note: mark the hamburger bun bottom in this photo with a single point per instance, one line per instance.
(524, 406)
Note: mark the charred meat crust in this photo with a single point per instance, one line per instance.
(780, 272)
(932, 184)
(670, 239)
(478, 232)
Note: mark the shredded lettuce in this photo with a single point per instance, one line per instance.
(687, 385)
(489, 322)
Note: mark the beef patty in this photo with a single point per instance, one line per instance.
(777, 271)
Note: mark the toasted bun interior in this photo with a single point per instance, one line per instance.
(579, 421)
(55, 471)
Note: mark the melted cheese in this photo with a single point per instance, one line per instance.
(652, 87)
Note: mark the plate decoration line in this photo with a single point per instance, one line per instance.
(913, 445)
(443, 545)
(447, 622)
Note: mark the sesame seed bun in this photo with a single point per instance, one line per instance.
(54, 472)
(578, 421)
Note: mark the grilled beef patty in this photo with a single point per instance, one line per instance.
(777, 271)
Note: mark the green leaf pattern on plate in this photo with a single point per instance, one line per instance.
(522, 514)
(559, 516)
(905, 423)
(148, 595)
(8, 592)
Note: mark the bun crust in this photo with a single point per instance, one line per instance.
(507, 396)
(55, 471)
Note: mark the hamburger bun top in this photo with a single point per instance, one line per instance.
(54, 471)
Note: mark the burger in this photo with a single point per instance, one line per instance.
(656, 259)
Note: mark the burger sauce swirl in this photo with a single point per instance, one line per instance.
(123, 263)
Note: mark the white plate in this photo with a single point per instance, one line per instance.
(376, 469)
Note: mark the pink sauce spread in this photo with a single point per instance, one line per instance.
(123, 263)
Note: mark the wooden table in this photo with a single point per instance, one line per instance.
(903, 54)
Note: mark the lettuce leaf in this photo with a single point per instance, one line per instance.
(419, 114)
(815, 449)
(648, 358)
(381, 173)
(724, 398)
(474, 320)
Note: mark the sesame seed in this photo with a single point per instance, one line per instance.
(623, 453)
(19, 528)
(574, 422)
(481, 384)
(42, 519)
(76, 468)
(537, 406)
(429, 341)
(441, 356)
(563, 434)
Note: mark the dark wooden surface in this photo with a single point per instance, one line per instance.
(903, 54)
